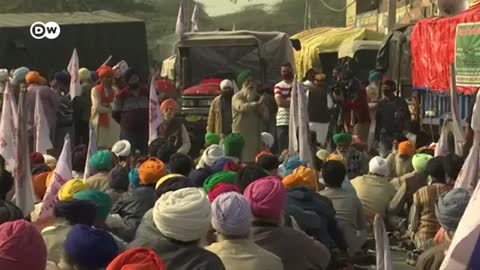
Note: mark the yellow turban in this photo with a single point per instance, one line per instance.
(71, 187)
(84, 74)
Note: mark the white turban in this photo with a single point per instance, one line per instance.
(213, 153)
(268, 139)
(122, 148)
(183, 215)
(378, 165)
(226, 83)
(3, 75)
(231, 214)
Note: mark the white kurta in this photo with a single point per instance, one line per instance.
(106, 136)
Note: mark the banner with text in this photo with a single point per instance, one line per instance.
(467, 54)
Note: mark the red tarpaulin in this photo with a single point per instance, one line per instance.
(433, 50)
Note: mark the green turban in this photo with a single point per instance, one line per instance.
(219, 177)
(243, 76)
(374, 76)
(233, 145)
(102, 200)
(342, 138)
(101, 161)
(212, 138)
(419, 162)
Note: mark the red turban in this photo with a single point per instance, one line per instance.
(105, 71)
(138, 259)
(37, 158)
(169, 103)
(221, 188)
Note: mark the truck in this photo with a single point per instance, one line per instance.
(96, 35)
(204, 59)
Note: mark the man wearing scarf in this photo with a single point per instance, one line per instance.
(248, 114)
(103, 94)
(220, 115)
(172, 128)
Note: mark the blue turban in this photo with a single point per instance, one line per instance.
(218, 165)
(19, 74)
(450, 207)
(199, 176)
(134, 178)
(77, 211)
(89, 247)
(290, 164)
(63, 77)
(374, 76)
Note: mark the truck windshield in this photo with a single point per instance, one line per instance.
(208, 62)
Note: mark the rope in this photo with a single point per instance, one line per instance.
(335, 9)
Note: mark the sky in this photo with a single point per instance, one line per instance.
(221, 7)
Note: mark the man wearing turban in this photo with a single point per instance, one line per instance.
(81, 107)
(356, 162)
(103, 95)
(220, 115)
(50, 101)
(248, 115)
(172, 128)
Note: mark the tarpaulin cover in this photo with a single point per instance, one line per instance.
(326, 40)
(433, 50)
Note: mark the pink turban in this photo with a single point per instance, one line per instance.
(266, 197)
(231, 214)
(221, 188)
(21, 246)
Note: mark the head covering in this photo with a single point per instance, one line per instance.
(266, 197)
(374, 76)
(21, 246)
(19, 74)
(232, 166)
(172, 182)
(3, 75)
(243, 76)
(248, 175)
(76, 211)
(137, 259)
(62, 76)
(231, 214)
(262, 153)
(420, 161)
(122, 148)
(90, 247)
(101, 161)
(105, 71)
(102, 200)
(212, 138)
(221, 188)
(34, 77)
(40, 184)
(50, 161)
(151, 171)
(36, 158)
(134, 178)
(224, 176)
(118, 179)
(219, 164)
(71, 187)
(379, 166)
(9, 212)
(233, 144)
(226, 83)
(322, 154)
(213, 153)
(450, 207)
(342, 138)
(290, 164)
(84, 74)
(406, 148)
(169, 103)
(183, 215)
(268, 139)
(198, 176)
(268, 162)
(337, 157)
(302, 176)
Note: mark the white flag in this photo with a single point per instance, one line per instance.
(180, 28)
(442, 146)
(195, 17)
(468, 176)
(382, 244)
(305, 149)
(92, 148)
(8, 129)
(24, 197)
(155, 115)
(292, 127)
(73, 66)
(61, 174)
(42, 130)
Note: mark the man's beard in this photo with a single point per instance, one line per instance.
(252, 94)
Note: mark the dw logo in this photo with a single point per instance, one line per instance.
(40, 30)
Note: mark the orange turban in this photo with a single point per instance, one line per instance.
(169, 103)
(301, 176)
(337, 157)
(34, 77)
(151, 171)
(406, 148)
(105, 71)
(40, 184)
